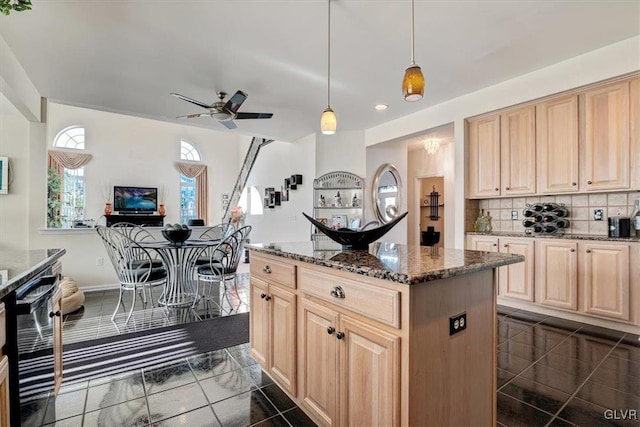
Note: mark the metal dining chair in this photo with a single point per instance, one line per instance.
(133, 231)
(215, 232)
(134, 266)
(223, 262)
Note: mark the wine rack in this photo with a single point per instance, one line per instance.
(545, 218)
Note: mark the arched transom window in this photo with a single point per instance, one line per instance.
(71, 137)
(189, 152)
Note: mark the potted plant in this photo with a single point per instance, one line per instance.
(54, 185)
(6, 6)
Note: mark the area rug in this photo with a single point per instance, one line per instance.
(121, 353)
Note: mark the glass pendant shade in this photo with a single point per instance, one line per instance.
(413, 83)
(328, 122)
(432, 146)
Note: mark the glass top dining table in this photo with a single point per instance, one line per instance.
(180, 261)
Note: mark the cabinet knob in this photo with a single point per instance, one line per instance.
(57, 313)
(588, 251)
(263, 296)
(331, 330)
(573, 250)
(574, 183)
(496, 189)
(495, 244)
(506, 245)
(340, 335)
(266, 269)
(589, 182)
(506, 188)
(337, 292)
(267, 298)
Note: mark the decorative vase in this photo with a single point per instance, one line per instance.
(107, 209)
(161, 209)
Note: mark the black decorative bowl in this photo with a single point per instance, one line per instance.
(176, 236)
(352, 239)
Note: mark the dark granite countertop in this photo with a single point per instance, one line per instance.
(18, 267)
(558, 236)
(392, 261)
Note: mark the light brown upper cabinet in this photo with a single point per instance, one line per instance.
(484, 157)
(557, 145)
(606, 130)
(502, 154)
(518, 151)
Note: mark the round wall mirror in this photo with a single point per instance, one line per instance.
(386, 193)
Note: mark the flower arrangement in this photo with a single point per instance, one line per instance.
(237, 215)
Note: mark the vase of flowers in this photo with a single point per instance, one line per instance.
(237, 216)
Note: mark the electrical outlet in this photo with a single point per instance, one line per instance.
(457, 323)
(598, 214)
(99, 261)
(514, 215)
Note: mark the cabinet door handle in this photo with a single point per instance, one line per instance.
(589, 182)
(263, 296)
(340, 335)
(57, 313)
(331, 330)
(337, 292)
(266, 269)
(267, 298)
(588, 251)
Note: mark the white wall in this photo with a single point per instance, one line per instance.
(343, 151)
(611, 61)
(14, 144)
(275, 162)
(396, 154)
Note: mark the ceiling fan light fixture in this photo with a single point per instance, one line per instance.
(328, 122)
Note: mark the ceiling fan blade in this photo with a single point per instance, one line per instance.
(229, 124)
(193, 101)
(235, 101)
(193, 116)
(254, 116)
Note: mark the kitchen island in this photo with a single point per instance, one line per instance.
(396, 335)
(17, 268)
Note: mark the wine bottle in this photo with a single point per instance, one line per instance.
(550, 228)
(549, 217)
(561, 212)
(537, 228)
(531, 221)
(562, 223)
(548, 207)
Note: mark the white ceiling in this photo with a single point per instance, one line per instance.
(127, 56)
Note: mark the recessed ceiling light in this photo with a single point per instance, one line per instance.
(381, 107)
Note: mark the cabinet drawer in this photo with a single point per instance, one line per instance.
(273, 271)
(3, 326)
(376, 303)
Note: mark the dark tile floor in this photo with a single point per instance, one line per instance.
(551, 372)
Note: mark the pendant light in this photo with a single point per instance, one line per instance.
(328, 120)
(413, 82)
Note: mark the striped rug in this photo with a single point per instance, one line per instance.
(112, 355)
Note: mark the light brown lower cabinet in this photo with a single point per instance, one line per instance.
(557, 273)
(56, 314)
(273, 331)
(4, 391)
(350, 368)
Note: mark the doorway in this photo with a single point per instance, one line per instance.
(431, 213)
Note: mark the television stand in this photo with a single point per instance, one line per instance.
(143, 220)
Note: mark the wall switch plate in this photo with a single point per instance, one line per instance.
(598, 214)
(514, 215)
(457, 323)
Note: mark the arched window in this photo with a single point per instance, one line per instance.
(188, 152)
(250, 201)
(188, 185)
(67, 179)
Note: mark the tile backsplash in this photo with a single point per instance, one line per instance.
(581, 210)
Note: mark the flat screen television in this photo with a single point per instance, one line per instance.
(135, 199)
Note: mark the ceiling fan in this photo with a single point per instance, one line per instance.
(223, 112)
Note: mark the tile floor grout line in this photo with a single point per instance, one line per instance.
(573, 395)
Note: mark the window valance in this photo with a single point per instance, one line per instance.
(199, 172)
